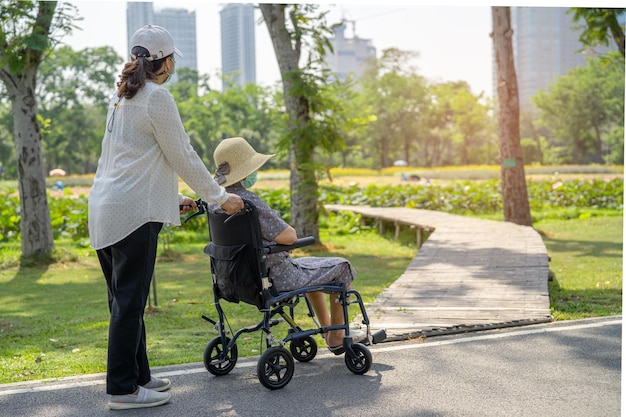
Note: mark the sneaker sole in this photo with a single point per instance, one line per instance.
(130, 406)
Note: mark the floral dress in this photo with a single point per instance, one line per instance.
(286, 272)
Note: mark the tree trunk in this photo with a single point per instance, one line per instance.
(599, 158)
(407, 149)
(514, 192)
(35, 224)
(384, 152)
(465, 151)
(302, 184)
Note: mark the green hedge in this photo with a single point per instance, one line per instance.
(481, 198)
(69, 215)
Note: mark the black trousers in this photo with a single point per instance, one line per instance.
(128, 267)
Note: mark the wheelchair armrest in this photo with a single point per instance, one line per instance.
(305, 241)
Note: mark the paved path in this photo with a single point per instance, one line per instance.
(559, 369)
(469, 274)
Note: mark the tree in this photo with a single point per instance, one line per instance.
(514, 193)
(583, 111)
(249, 111)
(461, 118)
(397, 96)
(356, 112)
(601, 25)
(73, 90)
(26, 29)
(531, 139)
(188, 84)
(437, 148)
(311, 122)
(470, 118)
(7, 147)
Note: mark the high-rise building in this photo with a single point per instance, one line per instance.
(180, 23)
(238, 43)
(138, 14)
(545, 47)
(348, 54)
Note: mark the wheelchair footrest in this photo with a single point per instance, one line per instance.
(379, 336)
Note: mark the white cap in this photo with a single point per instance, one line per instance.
(156, 40)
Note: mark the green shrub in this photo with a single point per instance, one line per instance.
(566, 199)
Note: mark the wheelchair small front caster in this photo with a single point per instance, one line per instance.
(359, 362)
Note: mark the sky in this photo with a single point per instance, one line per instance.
(452, 41)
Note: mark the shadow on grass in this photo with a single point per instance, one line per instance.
(586, 266)
(587, 302)
(583, 248)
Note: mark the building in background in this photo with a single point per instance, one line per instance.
(180, 23)
(545, 47)
(138, 14)
(238, 43)
(349, 54)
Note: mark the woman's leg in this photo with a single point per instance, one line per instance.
(335, 337)
(318, 303)
(128, 267)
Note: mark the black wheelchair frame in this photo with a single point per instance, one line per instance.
(239, 274)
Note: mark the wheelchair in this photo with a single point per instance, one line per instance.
(237, 258)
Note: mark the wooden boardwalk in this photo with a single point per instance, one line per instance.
(470, 274)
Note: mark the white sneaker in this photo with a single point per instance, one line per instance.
(145, 398)
(158, 384)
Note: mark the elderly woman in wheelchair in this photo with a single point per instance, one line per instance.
(237, 163)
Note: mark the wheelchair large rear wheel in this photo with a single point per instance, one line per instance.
(275, 368)
(214, 359)
(303, 349)
(361, 362)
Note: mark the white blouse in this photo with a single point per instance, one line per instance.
(144, 150)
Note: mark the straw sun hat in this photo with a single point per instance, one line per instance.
(235, 160)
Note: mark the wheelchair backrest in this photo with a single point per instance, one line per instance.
(236, 251)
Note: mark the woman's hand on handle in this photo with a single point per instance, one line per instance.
(233, 204)
(187, 205)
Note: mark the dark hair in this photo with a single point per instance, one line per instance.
(137, 71)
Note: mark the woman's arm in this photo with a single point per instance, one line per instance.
(176, 147)
(273, 227)
(287, 236)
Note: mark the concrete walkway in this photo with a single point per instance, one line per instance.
(469, 274)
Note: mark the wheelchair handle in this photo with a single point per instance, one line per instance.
(239, 213)
(203, 207)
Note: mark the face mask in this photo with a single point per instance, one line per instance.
(169, 77)
(249, 181)
(169, 74)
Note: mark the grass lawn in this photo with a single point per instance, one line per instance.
(54, 320)
(586, 261)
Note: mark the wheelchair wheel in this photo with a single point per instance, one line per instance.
(275, 368)
(303, 349)
(215, 362)
(361, 362)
